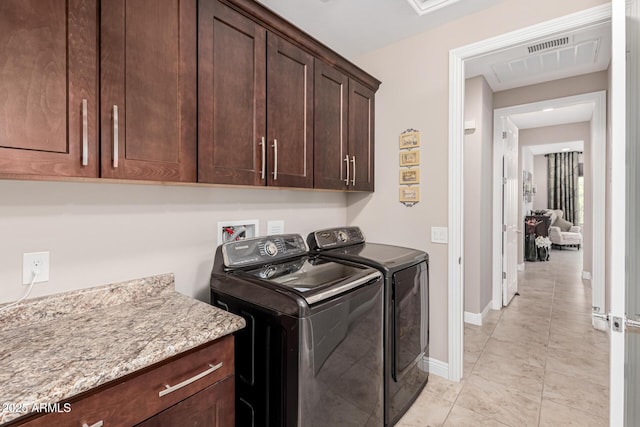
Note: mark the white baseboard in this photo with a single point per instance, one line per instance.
(437, 367)
(586, 275)
(521, 267)
(477, 318)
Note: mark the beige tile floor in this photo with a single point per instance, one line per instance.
(537, 362)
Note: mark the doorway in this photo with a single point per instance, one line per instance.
(598, 184)
(457, 60)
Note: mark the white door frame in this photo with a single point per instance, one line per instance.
(617, 271)
(457, 57)
(598, 190)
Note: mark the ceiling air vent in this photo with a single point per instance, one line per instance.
(548, 44)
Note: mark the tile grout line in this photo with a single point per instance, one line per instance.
(546, 356)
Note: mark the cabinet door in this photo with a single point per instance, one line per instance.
(148, 89)
(361, 147)
(212, 407)
(330, 163)
(231, 99)
(48, 88)
(289, 114)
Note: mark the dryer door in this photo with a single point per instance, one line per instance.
(408, 296)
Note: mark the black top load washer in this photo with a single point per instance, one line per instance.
(406, 325)
(311, 353)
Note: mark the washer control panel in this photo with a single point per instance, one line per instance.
(263, 250)
(335, 238)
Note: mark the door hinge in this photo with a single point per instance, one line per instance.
(504, 275)
(504, 181)
(504, 134)
(618, 324)
(504, 227)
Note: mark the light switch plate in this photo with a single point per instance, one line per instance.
(439, 235)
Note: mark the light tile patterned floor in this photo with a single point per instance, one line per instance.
(537, 362)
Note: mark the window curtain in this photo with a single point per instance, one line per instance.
(562, 183)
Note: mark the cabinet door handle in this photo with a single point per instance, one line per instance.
(172, 388)
(85, 134)
(346, 160)
(353, 160)
(275, 159)
(98, 424)
(115, 136)
(264, 158)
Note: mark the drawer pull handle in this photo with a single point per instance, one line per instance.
(172, 388)
(98, 424)
(85, 134)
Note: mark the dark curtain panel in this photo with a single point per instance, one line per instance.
(562, 183)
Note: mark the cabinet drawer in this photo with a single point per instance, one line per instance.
(135, 398)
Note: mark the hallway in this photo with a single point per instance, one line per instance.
(537, 362)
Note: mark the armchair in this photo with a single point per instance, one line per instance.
(562, 233)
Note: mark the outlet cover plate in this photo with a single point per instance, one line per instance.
(33, 260)
(439, 235)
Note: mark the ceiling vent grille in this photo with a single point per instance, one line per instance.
(548, 44)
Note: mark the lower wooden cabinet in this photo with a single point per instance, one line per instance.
(212, 407)
(193, 388)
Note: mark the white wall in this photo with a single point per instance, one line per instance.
(102, 233)
(414, 94)
(478, 149)
(540, 181)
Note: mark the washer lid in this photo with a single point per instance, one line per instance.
(378, 255)
(313, 279)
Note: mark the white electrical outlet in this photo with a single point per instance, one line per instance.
(35, 261)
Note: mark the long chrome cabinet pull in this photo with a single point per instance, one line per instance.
(115, 136)
(172, 388)
(353, 160)
(85, 134)
(264, 158)
(275, 159)
(98, 424)
(346, 160)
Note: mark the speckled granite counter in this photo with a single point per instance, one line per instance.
(55, 347)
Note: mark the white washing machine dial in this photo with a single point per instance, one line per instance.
(342, 236)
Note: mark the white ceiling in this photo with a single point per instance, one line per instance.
(354, 27)
(580, 52)
(537, 150)
(558, 116)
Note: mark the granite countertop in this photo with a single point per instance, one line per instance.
(55, 347)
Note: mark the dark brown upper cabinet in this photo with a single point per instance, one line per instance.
(148, 89)
(331, 150)
(361, 136)
(344, 150)
(48, 88)
(255, 103)
(289, 114)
